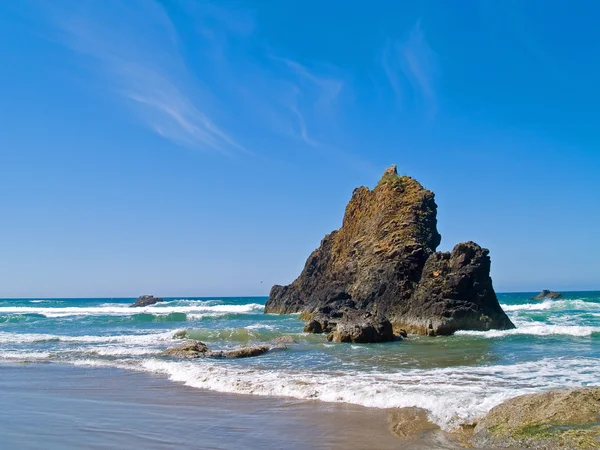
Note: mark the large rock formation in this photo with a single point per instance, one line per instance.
(547, 295)
(383, 262)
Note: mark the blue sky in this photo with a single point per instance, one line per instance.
(191, 148)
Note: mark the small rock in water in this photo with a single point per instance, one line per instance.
(196, 349)
(282, 342)
(189, 349)
(242, 352)
(146, 300)
(547, 295)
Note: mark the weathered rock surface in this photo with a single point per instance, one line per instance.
(196, 349)
(565, 418)
(189, 349)
(547, 295)
(455, 293)
(146, 300)
(242, 352)
(383, 261)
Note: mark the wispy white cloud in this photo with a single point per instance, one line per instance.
(411, 68)
(213, 85)
(389, 61)
(136, 49)
(273, 93)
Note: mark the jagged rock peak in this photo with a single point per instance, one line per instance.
(391, 171)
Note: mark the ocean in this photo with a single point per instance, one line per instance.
(456, 378)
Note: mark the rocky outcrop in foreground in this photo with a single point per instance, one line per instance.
(547, 295)
(146, 300)
(566, 418)
(380, 271)
(196, 349)
(560, 419)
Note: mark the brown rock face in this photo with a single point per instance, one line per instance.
(383, 261)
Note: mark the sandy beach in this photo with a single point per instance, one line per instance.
(55, 406)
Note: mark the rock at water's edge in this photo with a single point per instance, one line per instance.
(383, 261)
(547, 295)
(146, 300)
(564, 418)
(189, 349)
(196, 349)
(242, 352)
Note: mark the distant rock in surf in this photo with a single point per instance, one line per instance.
(383, 262)
(547, 295)
(146, 300)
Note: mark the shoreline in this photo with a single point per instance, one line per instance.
(55, 405)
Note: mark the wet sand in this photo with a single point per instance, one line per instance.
(55, 406)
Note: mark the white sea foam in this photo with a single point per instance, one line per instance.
(452, 395)
(138, 339)
(24, 356)
(537, 329)
(260, 326)
(124, 351)
(553, 305)
(120, 310)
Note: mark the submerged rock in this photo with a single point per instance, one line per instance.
(189, 349)
(383, 261)
(415, 431)
(547, 295)
(405, 422)
(282, 342)
(564, 418)
(146, 300)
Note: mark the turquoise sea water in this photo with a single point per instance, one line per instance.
(457, 378)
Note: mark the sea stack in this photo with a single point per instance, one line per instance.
(382, 266)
